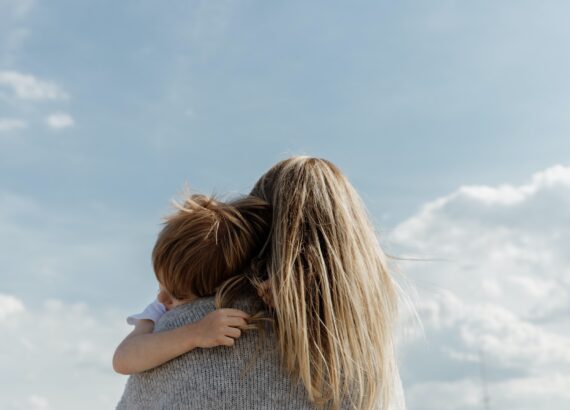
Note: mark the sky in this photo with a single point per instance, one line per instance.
(451, 119)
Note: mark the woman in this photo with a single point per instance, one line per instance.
(332, 304)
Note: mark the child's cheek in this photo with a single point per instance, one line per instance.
(164, 299)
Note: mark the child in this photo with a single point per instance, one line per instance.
(202, 245)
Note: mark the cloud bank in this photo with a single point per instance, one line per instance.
(57, 355)
(496, 309)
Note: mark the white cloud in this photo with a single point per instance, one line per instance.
(60, 120)
(521, 393)
(490, 245)
(33, 402)
(505, 338)
(10, 124)
(28, 87)
(499, 284)
(49, 347)
(444, 395)
(9, 306)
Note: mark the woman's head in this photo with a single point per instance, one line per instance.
(334, 301)
(206, 242)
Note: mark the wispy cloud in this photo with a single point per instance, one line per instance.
(10, 124)
(22, 92)
(29, 87)
(60, 120)
(17, 8)
(13, 29)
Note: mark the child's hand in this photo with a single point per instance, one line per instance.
(218, 328)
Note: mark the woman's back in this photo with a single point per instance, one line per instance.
(248, 375)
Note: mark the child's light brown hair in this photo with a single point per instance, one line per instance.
(207, 242)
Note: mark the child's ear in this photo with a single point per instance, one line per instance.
(165, 299)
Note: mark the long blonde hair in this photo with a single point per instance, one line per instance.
(335, 303)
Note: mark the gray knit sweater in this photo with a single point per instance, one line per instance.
(247, 375)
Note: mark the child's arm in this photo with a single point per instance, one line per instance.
(142, 350)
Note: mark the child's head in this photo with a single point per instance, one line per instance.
(206, 242)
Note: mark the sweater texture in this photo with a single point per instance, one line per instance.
(247, 375)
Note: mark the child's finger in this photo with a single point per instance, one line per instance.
(235, 312)
(228, 341)
(236, 321)
(233, 332)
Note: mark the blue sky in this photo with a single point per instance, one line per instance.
(107, 108)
